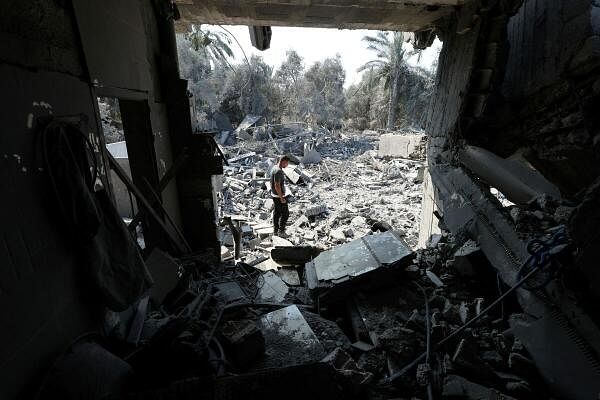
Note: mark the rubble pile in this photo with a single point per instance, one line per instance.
(341, 190)
(344, 307)
(355, 322)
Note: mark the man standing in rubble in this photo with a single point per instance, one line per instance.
(281, 211)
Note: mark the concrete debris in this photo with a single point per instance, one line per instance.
(314, 211)
(297, 255)
(434, 279)
(404, 146)
(271, 288)
(311, 156)
(457, 387)
(333, 201)
(244, 341)
(289, 276)
(357, 308)
(344, 289)
(345, 364)
(163, 269)
(289, 339)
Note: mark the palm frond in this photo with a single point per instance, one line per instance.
(371, 64)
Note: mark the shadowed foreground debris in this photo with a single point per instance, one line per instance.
(234, 328)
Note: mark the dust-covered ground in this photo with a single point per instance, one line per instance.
(336, 199)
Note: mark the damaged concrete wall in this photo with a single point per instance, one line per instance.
(531, 86)
(55, 58)
(547, 103)
(123, 62)
(45, 300)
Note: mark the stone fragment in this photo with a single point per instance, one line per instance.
(244, 340)
(457, 387)
(345, 365)
(289, 276)
(337, 234)
(272, 289)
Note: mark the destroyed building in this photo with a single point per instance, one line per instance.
(501, 304)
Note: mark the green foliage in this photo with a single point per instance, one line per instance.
(213, 45)
(389, 66)
(295, 93)
(367, 102)
(249, 89)
(289, 82)
(323, 100)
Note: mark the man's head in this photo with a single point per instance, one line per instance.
(284, 161)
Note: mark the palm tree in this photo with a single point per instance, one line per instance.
(388, 65)
(213, 45)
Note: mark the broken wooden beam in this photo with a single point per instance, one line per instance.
(142, 199)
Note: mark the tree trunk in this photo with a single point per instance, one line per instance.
(393, 102)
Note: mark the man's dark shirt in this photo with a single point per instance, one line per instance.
(277, 176)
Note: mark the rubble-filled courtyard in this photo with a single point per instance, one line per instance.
(348, 298)
(341, 189)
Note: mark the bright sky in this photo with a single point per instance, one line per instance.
(315, 44)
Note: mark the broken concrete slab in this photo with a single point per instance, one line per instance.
(289, 339)
(457, 387)
(163, 269)
(360, 256)
(342, 269)
(405, 146)
(228, 292)
(291, 173)
(289, 276)
(296, 255)
(244, 342)
(272, 289)
(267, 265)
